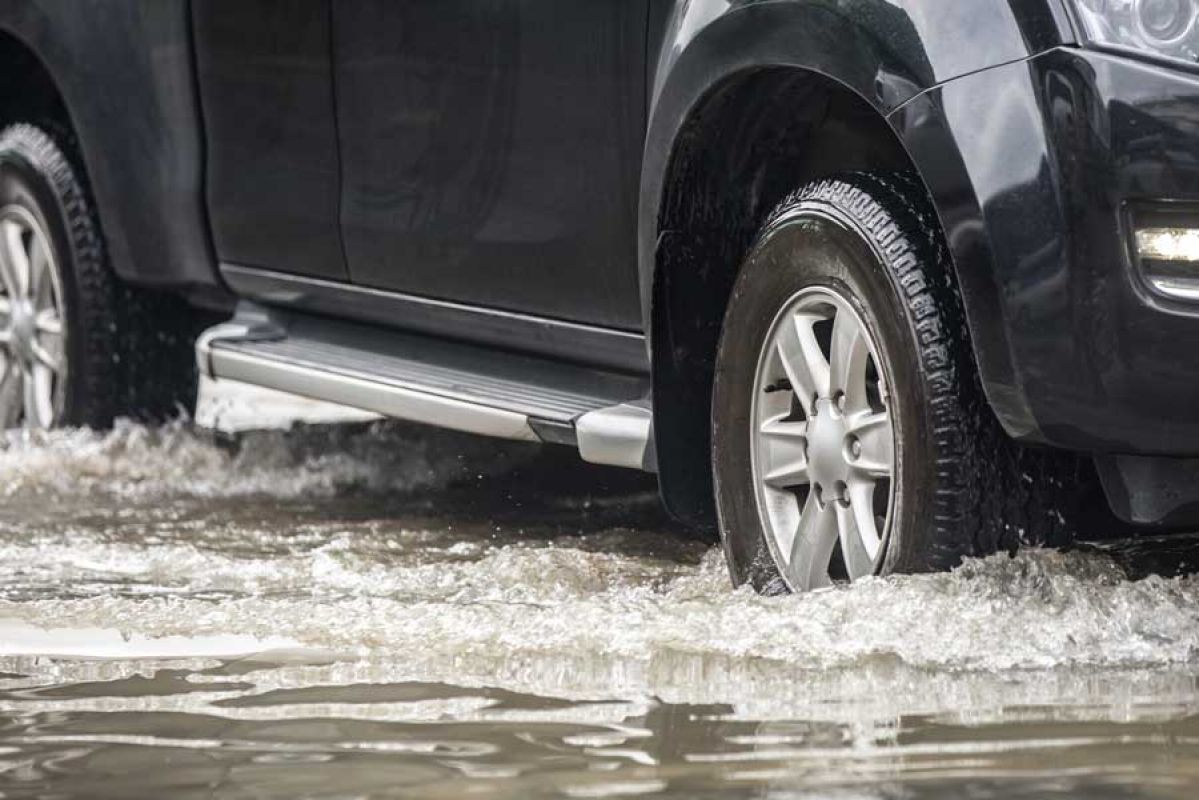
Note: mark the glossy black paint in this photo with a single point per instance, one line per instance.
(124, 70)
(877, 54)
(516, 155)
(885, 51)
(264, 70)
(622, 351)
(491, 151)
(1036, 165)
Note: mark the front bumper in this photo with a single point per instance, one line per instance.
(1033, 167)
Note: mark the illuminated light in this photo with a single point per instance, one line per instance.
(1168, 244)
(1170, 260)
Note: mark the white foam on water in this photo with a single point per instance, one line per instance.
(588, 615)
(232, 406)
(22, 639)
(136, 461)
(558, 618)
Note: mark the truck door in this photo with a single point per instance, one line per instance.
(491, 151)
(266, 90)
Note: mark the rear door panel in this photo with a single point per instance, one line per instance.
(266, 86)
(491, 150)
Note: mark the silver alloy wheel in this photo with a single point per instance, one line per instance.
(33, 365)
(823, 442)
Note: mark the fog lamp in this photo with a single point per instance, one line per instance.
(1169, 259)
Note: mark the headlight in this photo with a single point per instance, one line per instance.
(1158, 27)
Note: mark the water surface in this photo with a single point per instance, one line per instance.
(376, 610)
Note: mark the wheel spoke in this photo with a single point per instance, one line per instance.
(48, 321)
(10, 391)
(13, 262)
(873, 430)
(28, 398)
(784, 453)
(40, 281)
(802, 359)
(858, 532)
(849, 356)
(51, 346)
(815, 538)
(45, 357)
(18, 259)
(5, 321)
(39, 397)
(43, 378)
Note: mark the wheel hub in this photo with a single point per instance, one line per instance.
(827, 464)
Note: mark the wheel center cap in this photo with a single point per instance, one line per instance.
(826, 442)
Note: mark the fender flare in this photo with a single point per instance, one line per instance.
(705, 46)
(126, 78)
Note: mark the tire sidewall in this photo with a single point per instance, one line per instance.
(815, 243)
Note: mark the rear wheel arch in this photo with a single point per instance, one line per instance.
(32, 94)
(144, 169)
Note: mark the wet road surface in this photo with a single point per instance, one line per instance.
(377, 610)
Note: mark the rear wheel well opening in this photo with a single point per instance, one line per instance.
(30, 94)
(754, 138)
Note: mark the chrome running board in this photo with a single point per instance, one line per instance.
(436, 382)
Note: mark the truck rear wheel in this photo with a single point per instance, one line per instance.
(76, 346)
(850, 433)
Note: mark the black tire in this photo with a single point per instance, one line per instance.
(129, 351)
(961, 486)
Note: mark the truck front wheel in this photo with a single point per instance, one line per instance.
(850, 433)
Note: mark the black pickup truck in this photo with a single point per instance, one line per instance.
(871, 285)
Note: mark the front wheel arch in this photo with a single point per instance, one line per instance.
(749, 142)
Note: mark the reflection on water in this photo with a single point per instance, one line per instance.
(376, 610)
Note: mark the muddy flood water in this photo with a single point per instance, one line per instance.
(370, 609)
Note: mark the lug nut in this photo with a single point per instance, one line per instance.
(854, 448)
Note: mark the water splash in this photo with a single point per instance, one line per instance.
(390, 562)
(136, 461)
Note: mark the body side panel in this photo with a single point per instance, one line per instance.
(265, 71)
(565, 341)
(125, 71)
(491, 151)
